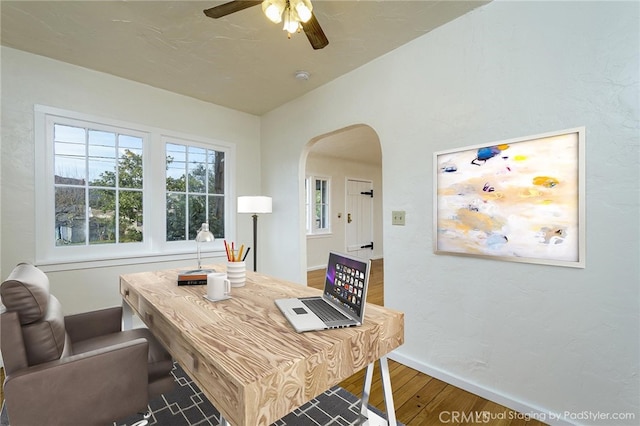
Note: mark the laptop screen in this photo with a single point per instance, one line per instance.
(346, 281)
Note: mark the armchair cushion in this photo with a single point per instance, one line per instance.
(26, 291)
(46, 340)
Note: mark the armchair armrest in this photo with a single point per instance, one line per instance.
(93, 324)
(93, 388)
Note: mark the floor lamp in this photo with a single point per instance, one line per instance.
(254, 204)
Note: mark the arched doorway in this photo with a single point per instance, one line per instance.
(342, 196)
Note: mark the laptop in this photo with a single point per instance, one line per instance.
(342, 302)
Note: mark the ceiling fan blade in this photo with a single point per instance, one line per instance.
(229, 8)
(314, 33)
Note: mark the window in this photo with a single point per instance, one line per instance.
(194, 191)
(98, 186)
(318, 205)
(104, 195)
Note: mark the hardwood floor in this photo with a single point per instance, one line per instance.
(421, 400)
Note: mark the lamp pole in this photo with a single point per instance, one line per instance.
(254, 205)
(255, 241)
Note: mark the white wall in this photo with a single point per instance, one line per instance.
(532, 336)
(339, 170)
(29, 79)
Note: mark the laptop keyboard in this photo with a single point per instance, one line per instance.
(323, 310)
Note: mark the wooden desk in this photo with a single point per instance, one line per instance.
(242, 352)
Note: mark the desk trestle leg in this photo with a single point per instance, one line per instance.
(127, 316)
(367, 417)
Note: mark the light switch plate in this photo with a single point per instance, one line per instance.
(397, 217)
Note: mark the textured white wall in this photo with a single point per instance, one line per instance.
(29, 79)
(533, 336)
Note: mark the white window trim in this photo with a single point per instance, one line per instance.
(312, 231)
(154, 248)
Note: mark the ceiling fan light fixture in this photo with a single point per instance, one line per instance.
(297, 14)
(303, 8)
(273, 10)
(291, 20)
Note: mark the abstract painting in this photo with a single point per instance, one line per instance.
(518, 200)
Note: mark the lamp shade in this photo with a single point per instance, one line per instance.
(204, 235)
(254, 204)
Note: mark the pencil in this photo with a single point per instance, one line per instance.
(226, 248)
(246, 253)
(240, 253)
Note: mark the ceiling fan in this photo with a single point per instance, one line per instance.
(296, 14)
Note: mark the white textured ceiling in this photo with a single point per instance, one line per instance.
(241, 61)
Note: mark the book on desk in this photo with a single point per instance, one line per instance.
(194, 277)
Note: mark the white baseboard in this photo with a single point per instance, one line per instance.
(317, 267)
(545, 416)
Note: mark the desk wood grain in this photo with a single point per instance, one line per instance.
(243, 353)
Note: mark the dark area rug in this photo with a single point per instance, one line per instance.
(186, 405)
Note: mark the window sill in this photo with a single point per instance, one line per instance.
(320, 235)
(72, 265)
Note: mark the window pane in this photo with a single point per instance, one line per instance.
(70, 217)
(130, 170)
(321, 191)
(320, 205)
(130, 216)
(216, 172)
(102, 216)
(197, 169)
(216, 216)
(69, 161)
(102, 158)
(102, 172)
(72, 134)
(130, 150)
(318, 216)
(130, 142)
(323, 217)
(176, 167)
(176, 214)
(197, 214)
(102, 140)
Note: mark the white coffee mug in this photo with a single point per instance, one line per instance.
(218, 286)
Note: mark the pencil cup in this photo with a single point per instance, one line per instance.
(237, 273)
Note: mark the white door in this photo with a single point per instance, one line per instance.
(359, 221)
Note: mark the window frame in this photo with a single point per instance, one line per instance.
(310, 203)
(154, 246)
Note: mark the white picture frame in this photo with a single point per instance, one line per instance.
(518, 200)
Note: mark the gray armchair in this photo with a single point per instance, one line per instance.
(78, 369)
